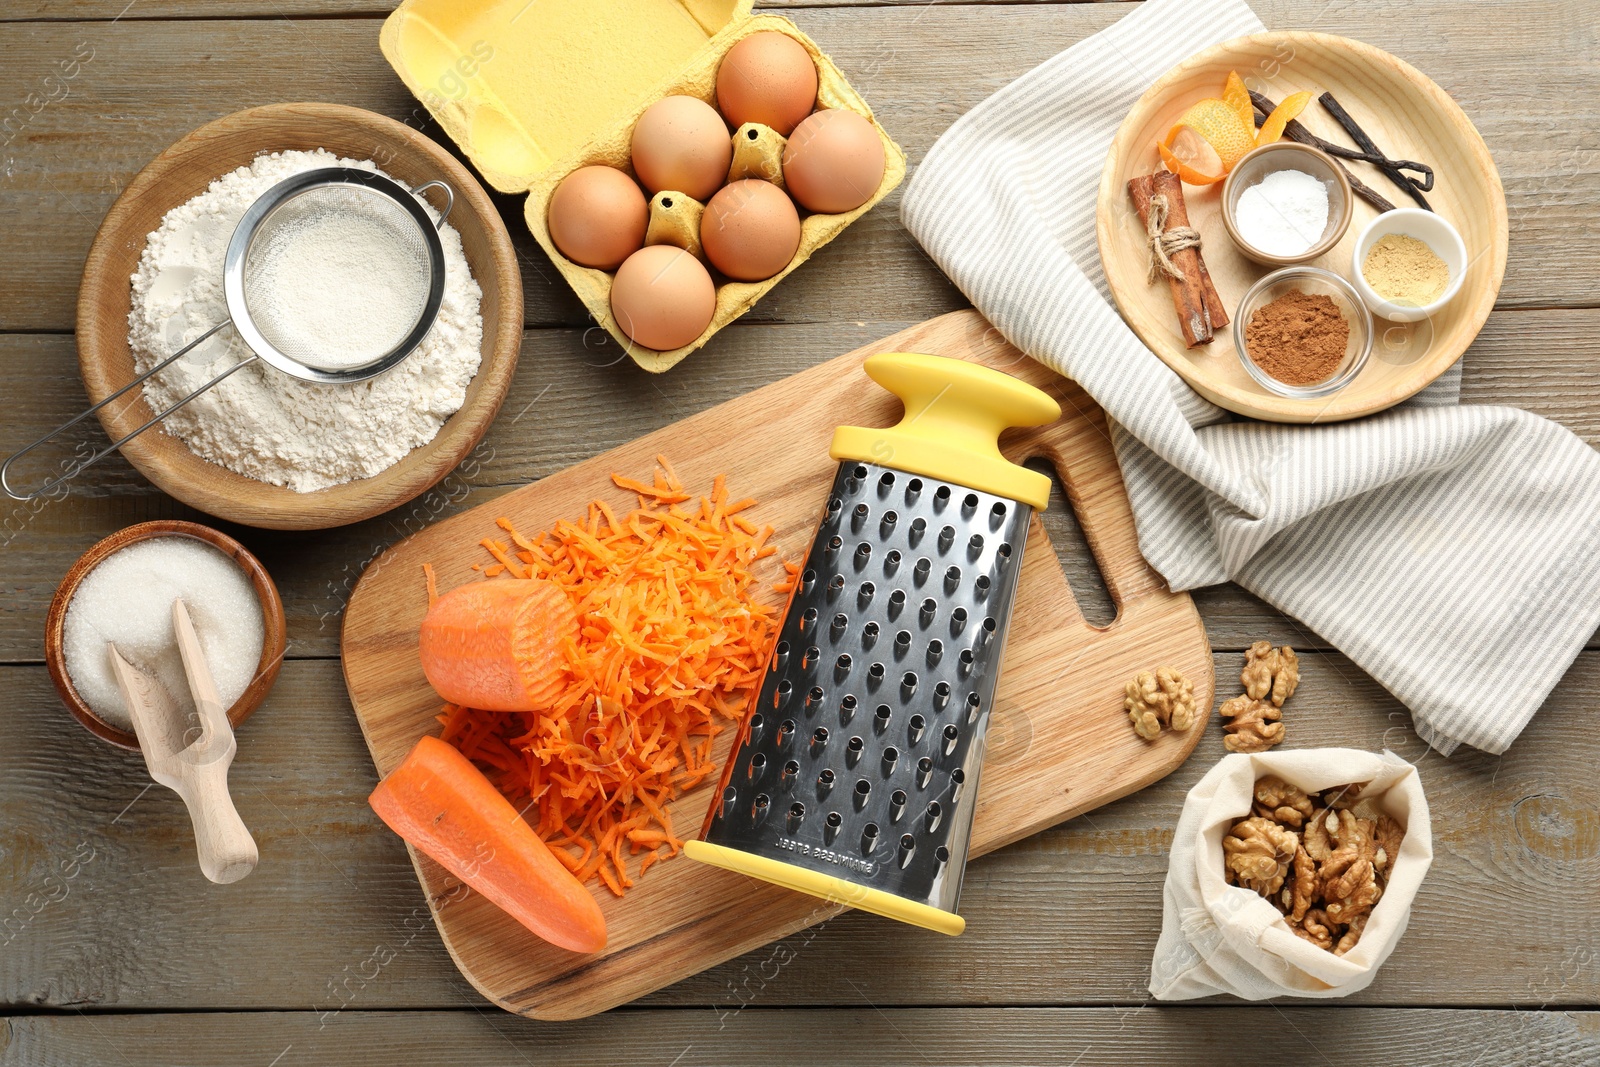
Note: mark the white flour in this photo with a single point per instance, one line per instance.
(263, 423)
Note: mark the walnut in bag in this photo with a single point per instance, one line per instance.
(1291, 874)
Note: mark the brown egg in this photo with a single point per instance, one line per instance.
(598, 217)
(682, 144)
(769, 78)
(834, 162)
(663, 298)
(750, 230)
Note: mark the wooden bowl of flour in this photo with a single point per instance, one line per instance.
(185, 170)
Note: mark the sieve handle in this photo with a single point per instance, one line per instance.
(74, 471)
(449, 199)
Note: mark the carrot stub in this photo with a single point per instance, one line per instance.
(444, 806)
(498, 645)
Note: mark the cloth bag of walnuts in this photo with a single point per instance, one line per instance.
(1222, 938)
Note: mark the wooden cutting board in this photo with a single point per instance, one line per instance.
(1060, 743)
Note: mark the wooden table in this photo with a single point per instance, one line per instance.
(326, 954)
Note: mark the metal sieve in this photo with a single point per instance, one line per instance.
(307, 221)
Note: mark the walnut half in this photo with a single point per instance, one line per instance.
(1270, 673)
(1252, 726)
(1159, 698)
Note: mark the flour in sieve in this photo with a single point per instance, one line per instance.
(261, 422)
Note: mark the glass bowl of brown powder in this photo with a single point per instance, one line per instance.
(1302, 332)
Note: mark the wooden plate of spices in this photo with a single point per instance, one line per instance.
(1407, 117)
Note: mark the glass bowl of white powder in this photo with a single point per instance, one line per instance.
(121, 591)
(1286, 203)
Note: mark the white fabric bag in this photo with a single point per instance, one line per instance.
(1221, 938)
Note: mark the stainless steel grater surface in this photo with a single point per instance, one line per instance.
(860, 761)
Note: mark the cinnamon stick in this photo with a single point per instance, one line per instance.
(1194, 296)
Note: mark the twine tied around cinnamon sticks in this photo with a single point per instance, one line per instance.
(1165, 243)
(1175, 253)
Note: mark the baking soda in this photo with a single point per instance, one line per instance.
(1284, 213)
(127, 600)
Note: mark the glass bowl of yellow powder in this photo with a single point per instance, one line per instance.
(1408, 264)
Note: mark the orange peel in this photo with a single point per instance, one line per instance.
(1281, 115)
(1227, 125)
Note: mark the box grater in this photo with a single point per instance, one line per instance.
(856, 775)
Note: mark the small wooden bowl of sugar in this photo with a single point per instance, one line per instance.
(121, 591)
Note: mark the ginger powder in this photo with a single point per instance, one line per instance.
(1405, 271)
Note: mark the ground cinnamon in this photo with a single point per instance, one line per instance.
(1299, 338)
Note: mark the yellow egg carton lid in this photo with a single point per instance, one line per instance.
(519, 84)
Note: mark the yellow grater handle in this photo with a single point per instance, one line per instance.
(955, 412)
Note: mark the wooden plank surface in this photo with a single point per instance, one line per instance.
(859, 1036)
(333, 926)
(334, 916)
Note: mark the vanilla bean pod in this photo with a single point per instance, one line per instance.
(1359, 136)
(1305, 136)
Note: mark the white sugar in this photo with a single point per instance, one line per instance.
(1284, 213)
(127, 600)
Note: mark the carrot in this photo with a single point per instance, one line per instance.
(497, 645)
(673, 634)
(444, 806)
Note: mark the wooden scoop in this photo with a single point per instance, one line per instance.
(191, 757)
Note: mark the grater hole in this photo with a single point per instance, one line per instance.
(756, 722)
(763, 802)
(870, 631)
(942, 854)
(863, 787)
(997, 515)
(921, 570)
(967, 657)
(880, 718)
(834, 819)
(918, 724)
(863, 552)
(808, 618)
(959, 617)
(952, 735)
(798, 810)
(848, 705)
(869, 837)
(891, 756)
(941, 496)
(814, 696)
(875, 672)
(886, 481)
(855, 744)
(952, 576)
(867, 591)
(898, 798)
(909, 679)
(1005, 549)
(819, 736)
(729, 795)
(935, 651)
(782, 693)
(859, 473)
(947, 537)
(989, 625)
(835, 585)
(758, 763)
(808, 577)
(892, 560)
(861, 511)
(983, 583)
(835, 543)
(825, 779)
(809, 658)
(970, 502)
(785, 730)
(902, 640)
(919, 526)
(914, 486)
(842, 663)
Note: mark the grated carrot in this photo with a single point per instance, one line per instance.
(672, 642)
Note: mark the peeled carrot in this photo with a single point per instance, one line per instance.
(440, 803)
(497, 646)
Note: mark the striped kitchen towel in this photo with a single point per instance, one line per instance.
(1452, 551)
